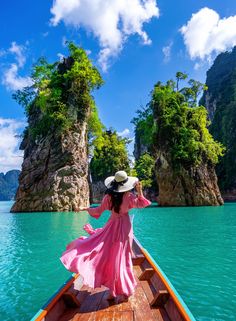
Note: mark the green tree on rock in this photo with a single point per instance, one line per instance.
(109, 156)
(144, 169)
(61, 93)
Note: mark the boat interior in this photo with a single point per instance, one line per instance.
(152, 300)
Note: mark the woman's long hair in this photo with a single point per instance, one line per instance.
(116, 199)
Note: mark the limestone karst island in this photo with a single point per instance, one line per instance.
(118, 160)
(68, 152)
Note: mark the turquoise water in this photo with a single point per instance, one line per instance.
(196, 248)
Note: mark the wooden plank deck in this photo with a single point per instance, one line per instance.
(95, 307)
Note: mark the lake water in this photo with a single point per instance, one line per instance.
(196, 248)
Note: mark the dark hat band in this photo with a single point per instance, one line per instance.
(115, 184)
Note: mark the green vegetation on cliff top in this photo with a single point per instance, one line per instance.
(61, 93)
(109, 156)
(144, 170)
(173, 123)
(61, 97)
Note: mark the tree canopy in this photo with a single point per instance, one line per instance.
(177, 125)
(144, 170)
(109, 156)
(61, 92)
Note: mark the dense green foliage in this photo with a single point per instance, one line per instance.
(144, 127)
(96, 129)
(144, 169)
(181, 128)
(177, 126)
(221, 83)
(61, 92)
(109, 156)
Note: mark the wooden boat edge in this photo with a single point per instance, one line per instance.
(42, 312)
(182, 307)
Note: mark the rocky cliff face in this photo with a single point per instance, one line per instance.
(210, 103)
(220, 81)
(220, 101)
(193, 186)
(139, 147)
(54, 173)
(97, 191)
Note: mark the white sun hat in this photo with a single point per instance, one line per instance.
(121, 182)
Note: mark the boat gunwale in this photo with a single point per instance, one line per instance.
(179, 302)
(43, 311)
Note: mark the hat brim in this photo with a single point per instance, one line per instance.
(122, 188)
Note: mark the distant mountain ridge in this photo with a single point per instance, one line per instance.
(8, 184)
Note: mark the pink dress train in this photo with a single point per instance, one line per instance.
(104, 258)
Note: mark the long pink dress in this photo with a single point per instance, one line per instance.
(104, 258)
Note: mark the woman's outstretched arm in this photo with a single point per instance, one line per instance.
(97, 211)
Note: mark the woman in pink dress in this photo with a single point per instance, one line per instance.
(104, 258)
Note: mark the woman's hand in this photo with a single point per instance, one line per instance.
(139, 188)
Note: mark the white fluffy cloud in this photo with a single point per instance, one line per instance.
(111, 21)
(206, 34)
(13, 81)
(10, 155)
(11, 78)
(19, 53)
(124, 133)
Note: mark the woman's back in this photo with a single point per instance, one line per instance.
(129, 201)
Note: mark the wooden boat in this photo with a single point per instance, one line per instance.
(154, 298)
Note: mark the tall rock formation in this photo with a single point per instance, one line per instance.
(186, 152)
(220, 101)
(174, 130)
(54, 174)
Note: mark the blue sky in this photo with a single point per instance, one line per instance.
(134, 44)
